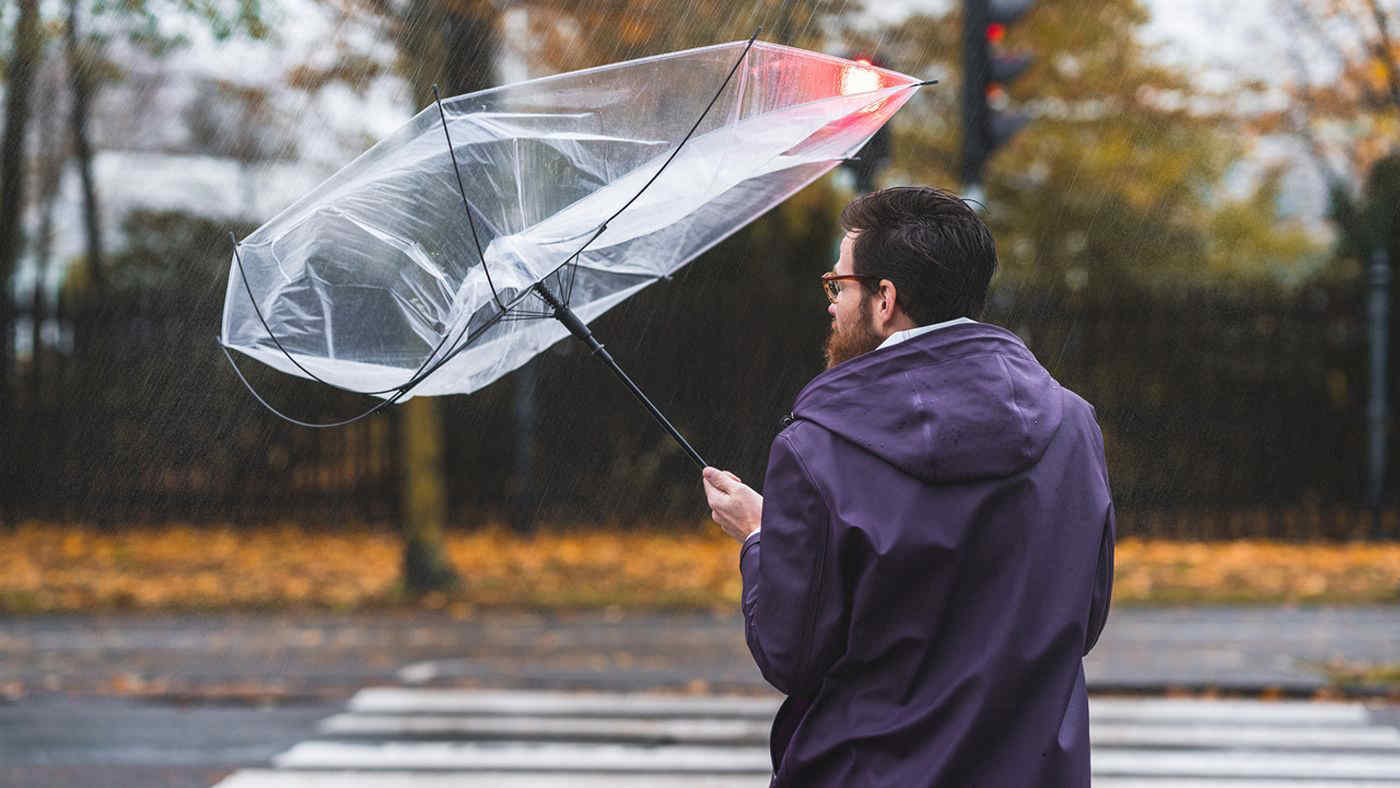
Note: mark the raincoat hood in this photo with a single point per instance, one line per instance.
(955, 404)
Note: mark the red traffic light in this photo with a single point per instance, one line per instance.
(996, 31)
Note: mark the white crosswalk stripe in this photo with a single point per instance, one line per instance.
(433, 738)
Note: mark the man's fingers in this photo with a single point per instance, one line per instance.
(713, 499)
(721, 489)
(718, 479)
(713, 495)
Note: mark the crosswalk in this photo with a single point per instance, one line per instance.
(434, 738)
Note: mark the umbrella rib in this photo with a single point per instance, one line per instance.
(572, 267)
(466, 206)
(314, 425)
(398, 393)
(519, 316)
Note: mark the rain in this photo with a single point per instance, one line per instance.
(1194, 214)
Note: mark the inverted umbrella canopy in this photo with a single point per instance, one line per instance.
(377, 274)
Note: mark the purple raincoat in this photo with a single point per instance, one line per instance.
(936, 557)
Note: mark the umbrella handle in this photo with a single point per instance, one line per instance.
(578, 328)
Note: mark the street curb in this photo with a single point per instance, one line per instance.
(1299, 690)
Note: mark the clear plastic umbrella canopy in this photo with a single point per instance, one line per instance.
(590, 185)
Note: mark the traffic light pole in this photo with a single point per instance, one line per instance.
(974, 95)
(1376, 410)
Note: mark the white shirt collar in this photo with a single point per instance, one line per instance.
(910, 333)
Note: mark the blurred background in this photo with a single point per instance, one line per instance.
(1194, 205)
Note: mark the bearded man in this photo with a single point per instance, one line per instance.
(933, 553)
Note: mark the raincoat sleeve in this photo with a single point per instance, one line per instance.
(784, 582)
(1103, 584)
(1103, 580)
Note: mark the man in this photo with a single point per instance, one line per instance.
(935, 553)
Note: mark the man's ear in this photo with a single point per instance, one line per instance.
(887, 301)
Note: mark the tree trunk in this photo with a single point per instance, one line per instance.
(23, 60)
(36, 339)
(424, 498)
(522, 506)
(80, 57)
(51, 160)
(445, 43)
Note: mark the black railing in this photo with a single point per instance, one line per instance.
(1226, 415)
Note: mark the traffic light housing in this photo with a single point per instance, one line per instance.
(987, 70)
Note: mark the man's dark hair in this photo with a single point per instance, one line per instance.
(930, 244)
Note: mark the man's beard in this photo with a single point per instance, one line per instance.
(845, 344)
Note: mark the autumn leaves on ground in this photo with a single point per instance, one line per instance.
(51, 568)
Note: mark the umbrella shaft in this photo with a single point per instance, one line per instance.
(578, 328)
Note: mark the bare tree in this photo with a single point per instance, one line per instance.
(24, 58)
(81, 61)
(52, 157)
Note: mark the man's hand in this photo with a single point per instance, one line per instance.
(733, 504)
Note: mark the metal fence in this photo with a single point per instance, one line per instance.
(1226, 415)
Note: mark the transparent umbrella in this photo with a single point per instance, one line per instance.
(493, 224)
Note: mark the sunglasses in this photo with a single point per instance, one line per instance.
(833, 290)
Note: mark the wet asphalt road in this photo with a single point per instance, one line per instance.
(182, 700)
(133, 701)
(124, 743)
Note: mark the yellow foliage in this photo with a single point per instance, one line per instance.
(46, 567)
(1256, 571)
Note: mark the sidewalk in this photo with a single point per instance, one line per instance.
(287, 657)
(1243, 649)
